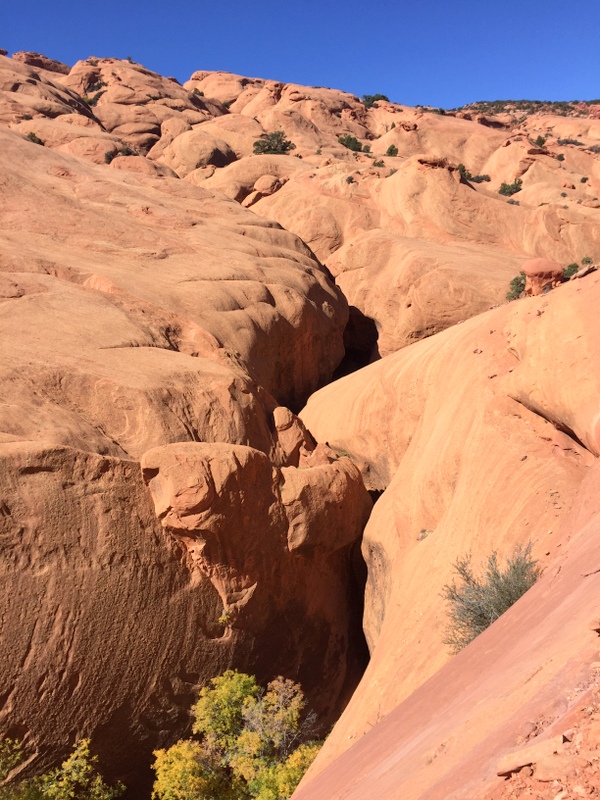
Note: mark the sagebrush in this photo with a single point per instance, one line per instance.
(475, 602)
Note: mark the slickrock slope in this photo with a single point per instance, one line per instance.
(415, 247)
(521, 700)
(481, 438)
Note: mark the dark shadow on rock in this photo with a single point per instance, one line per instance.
(360, 341)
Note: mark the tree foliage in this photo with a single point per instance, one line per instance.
(475, 602)
(252, 743)
(77, 778)
(466, 175)
(273, 143)
(370, 100)
(508, 189)
(351, 142)
(517, 287)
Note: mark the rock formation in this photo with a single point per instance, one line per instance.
(165, 515)
(483, 437)
(140, 311)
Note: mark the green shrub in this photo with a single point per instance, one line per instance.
(93, 101)
(508, 189)
(475, 602)
(517, 287)
(392, 126)
(379, 163)
(586, 261)
(512, 202)
(370, 100)
(351, 142)
(252, 744)
(560, 157)
(562, 142)
(350, 179)
(540, 141)
(392, 151)
(584, 180)
(110, 155)
(563, 194)
(273, 143)
(570, 270)
(466, 175)
(35, 138)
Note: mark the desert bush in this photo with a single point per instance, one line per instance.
(584, 180)
(586, 261)
(273, 143)
(350, 179)
(508, 189)
(392, 151)
(475, 602)
(570, 270)
(370, 100)
(93, 100)
(512, 202)
(466, 175)
(379, 163)
(540, 141)
(560, 157)
(252, 743)
(33, 137)
(351, 142)
(562, 142)
(517, 287)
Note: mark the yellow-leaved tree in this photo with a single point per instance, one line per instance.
(251, 744)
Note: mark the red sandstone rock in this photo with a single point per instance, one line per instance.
(406, 420)
(532, 754)
(541, 274)
(41, 62)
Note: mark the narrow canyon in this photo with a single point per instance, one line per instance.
(256, 402)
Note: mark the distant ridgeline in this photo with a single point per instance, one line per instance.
(564, 108)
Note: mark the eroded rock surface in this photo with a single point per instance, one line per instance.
(480, 437)
(139, 310)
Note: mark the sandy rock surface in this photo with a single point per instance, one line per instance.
(454, 429)
(126, 328)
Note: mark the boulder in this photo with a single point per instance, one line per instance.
(541, 275)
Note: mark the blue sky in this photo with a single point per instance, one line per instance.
(430, 52)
